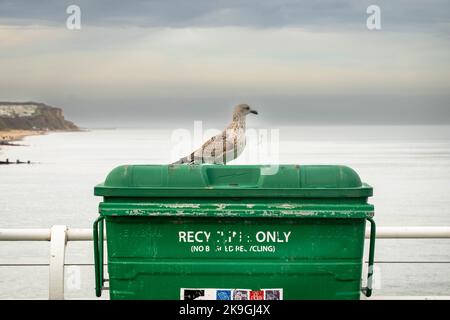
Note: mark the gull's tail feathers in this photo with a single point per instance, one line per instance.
(185, 160)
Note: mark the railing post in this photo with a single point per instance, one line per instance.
(58, 241)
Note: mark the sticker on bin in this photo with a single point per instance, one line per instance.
(230, 294)
(273, 294)
(257, 295)
(206, 294)
(241, 294)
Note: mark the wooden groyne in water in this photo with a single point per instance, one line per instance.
(7, 143)
(15, 162)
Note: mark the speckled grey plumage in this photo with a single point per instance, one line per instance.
(225, 146)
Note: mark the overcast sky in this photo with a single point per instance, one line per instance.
(150, 62)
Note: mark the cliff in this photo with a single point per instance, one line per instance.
(32, 116)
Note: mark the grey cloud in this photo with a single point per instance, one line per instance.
(252, 13)
(95, 107)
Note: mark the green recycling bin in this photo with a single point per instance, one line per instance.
(233, 232)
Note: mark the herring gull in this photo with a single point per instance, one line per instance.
(225, 146)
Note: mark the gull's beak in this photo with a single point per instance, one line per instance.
(254, 111)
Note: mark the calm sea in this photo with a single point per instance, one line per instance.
(408, 166)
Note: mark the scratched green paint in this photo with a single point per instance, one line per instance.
(171, 227)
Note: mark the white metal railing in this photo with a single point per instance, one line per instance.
(412, 233)
(59, 235)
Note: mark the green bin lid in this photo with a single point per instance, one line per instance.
(188, 181)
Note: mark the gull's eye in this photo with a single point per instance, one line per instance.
(247, 108)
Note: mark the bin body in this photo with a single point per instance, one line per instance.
(300, 230)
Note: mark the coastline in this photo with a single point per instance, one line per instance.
(8, 136)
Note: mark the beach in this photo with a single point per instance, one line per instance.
(7, 136)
